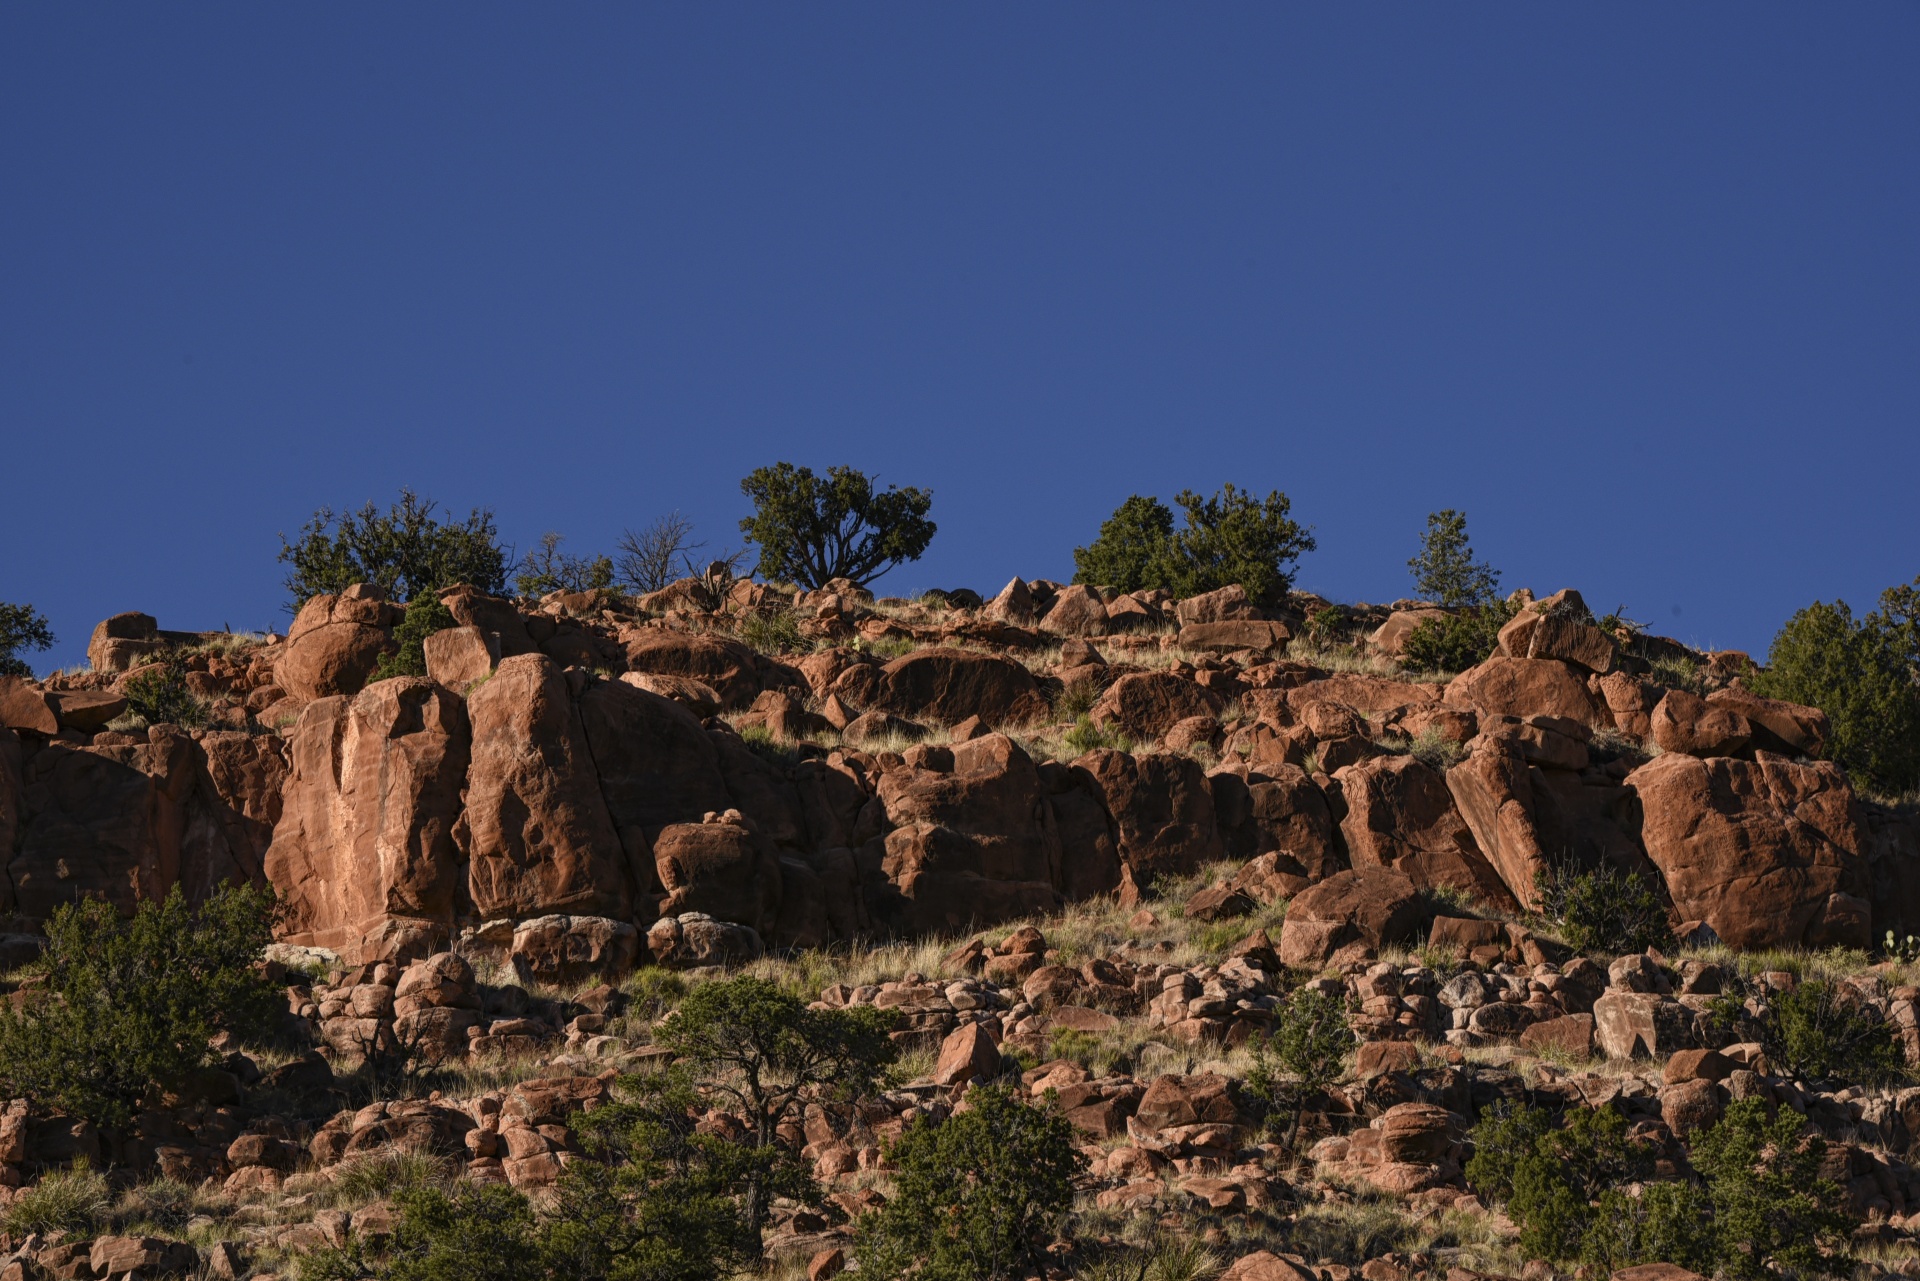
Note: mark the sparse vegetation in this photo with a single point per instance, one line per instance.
(23, 630)
(1304, 1054)
(130, 1005)
(1459, 641)
(425, 615)
(1085, 737)
(1232, 537)
(1865, 675)
(772, 632)
(548, 569)
(407, 551)
(975, 1197)
(72, 1201)
(1603, 909)
(159, 695)
(811, 529)
(1445, 570)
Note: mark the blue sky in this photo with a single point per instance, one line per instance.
(1637, 286)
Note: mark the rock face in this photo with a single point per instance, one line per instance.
(723, 867)
(1366, 909)
(1163, 808)
(335, 641)
(539, 838)
(1684, 722)
(365, 853)
(1767, 852)
(1400, 815)
(1145, 705)
(1528, 687)
(949, 685)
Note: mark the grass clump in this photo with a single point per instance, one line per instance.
(74, 1201)
(1085, 737)
(158, 694)
(772, 632)
(1075, 700)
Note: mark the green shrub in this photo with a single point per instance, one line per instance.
(425, 615)
(130, 1005)
(158, 694)
(1305, 1053)
(1819, 1031)
(1605, 909)
(481, 1232)
(548, 569)
(1552, 1177)
(407, 552)
(73, 1201)
(1458, 641)
(978, 1196)
(1085, 737)
(1075, 700)
(1232, 537)
(22, 629)
(1445, 570)
(812, 529)
(772, 633)
(762, 1053)
(1773, 1215)
(1865, 675)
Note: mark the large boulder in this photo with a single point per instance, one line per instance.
(1493, 793)
(1277, 808)
(949, 685)
(335, 643)
(122, 823)
(1076, 611)
(25, 707)
(1400, 815)
(491, 616)
(1767, 852)
(726, 666)
(1364, 910)
(1234, 634)
(1217, 606)
(1525, 687)
(124, 642)
(366, 835)
(1559, 627)
(1163, 808)
(1686, 723)
(1363, 693)
(538, 836)
(1775, 726)
(1391, 636)
(970, 844)
(1145, 705)
(248, 773)
(654, 763)
(723, 867)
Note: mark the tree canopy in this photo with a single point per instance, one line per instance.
(813, 529)
(405, 551)
(23, 629)
(1445, 570)
(1232, 537)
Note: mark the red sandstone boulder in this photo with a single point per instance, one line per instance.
(1145, 705)
(1766, 852)
(1363, 693)
(1400, 815)
(335, 642)
(1775, 726)
(368, 815)
(25, 707)
(949, 685)
(1076, 611)
(968, 1054)
(459, 656)
(538, 836)
(124, 642)
(724, 665)
(1391, 636)
(1163, 809)
(1527, 687)
(1493, 794)
(723, 867)
(492, 616)
(969, 844)
(1218, 606)
(1686, 723)
(653, 764)
(1275, 809)
(1232, 635)
(1559, 627)
(1365, 909)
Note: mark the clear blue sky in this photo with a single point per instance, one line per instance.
(1637, 286)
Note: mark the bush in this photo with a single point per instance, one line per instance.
(1819, 1031)
(1085, 737)
(1458, 641)
(1232, 537)
(811, 530)
(1605, 910)
(479, 1233)
(1445, 570)
(761, 1052)
(158, 694)
(1865, 675)
(129, 1006)
(1309, 1045)
(548, 569)
(22, 629)
(407, 552)
(772, 632)
(976, 1197)
(425, 615)
(1761, 1208)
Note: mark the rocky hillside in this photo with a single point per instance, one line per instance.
(716, 769)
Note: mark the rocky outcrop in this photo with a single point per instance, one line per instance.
(335, 642)
(1767, 852)
(1522, 687)
(538, 835)
(1163, 810)
(949, 685)
(1353, 913)
(1401, 816)
(365, 854)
